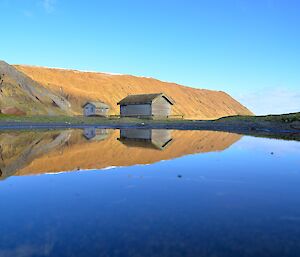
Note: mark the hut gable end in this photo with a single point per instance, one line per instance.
(161, 107)
(95, 108)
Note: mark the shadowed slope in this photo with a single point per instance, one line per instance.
(21, 95)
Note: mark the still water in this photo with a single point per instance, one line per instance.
(148, 193)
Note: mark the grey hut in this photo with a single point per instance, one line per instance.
(94, 134)
(95, 109)
(146, 106)
(146, 138)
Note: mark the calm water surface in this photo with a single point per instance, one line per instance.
(148, 193)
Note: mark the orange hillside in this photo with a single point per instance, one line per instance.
(78, 87)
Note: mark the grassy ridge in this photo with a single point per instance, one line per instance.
(282, 118)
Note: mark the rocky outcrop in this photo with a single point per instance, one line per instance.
(20, 95)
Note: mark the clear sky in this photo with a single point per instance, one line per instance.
(248, 48)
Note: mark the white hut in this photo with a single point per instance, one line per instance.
(95, 109)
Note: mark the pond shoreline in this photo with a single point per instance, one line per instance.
(281, 126)
(255, 128)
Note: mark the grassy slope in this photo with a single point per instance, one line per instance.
(78, 87)
(65, 119)
(283, 118)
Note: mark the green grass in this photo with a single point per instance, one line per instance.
(55, 119)
(283, 118)
(80, 120)
(5, 116)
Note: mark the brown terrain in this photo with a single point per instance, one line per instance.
(21, 95)
(37, 152)
(77, 87)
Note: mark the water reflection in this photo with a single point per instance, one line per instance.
(96, 134)
(240, 202)
(146, 138)
(37, 152)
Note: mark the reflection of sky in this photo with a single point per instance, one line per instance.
(239, 202)
(278, 147)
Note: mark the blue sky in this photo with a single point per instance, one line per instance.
(248, 48)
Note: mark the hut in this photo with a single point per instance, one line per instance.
(95, 109)
(146, 106)
(94, 134)
(157, 139)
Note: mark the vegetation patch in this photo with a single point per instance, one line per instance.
(283, 118)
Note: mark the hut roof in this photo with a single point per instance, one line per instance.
(144, 98)
(97, 104)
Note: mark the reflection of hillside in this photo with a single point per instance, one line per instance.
(18, 149)
(80, 153)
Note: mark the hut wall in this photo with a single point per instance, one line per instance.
(136, 134)
(101, 111)
(89, 132)
(89, 110)
(135, 110)
(161, 136)
(161, 107)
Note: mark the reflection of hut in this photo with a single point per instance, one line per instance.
(146, 106)
(95, 109)
(95, 134)
(148, 138)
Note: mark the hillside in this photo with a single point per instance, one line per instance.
(78, 87)
(21, 95)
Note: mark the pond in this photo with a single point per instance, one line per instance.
(138, 192)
